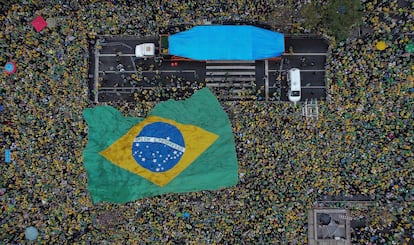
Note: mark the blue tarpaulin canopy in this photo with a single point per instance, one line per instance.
(227, 42)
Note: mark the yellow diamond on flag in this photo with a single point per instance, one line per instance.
(159, 149)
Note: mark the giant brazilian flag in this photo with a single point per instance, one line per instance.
(181, 146)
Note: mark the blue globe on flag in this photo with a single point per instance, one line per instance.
(158, 147)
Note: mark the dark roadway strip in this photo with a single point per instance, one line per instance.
(308, 55)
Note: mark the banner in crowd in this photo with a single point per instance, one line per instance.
(182, 146)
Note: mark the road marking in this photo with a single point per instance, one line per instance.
(300, 70)
(230, 61)
(313, 87)
(239, 79)
(230, 67)
(304, 54)
(160, 71)
(224, 73)
(266, 79)
(134, 88)
(114, 55)
(243, 85)
(96, 75)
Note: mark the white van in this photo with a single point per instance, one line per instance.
(145, 50)
(293, 77)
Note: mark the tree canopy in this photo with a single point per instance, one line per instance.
(337, 16)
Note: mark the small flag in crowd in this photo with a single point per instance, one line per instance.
(8, 156)
(381, 45)
(31, 233)
(10, 67)
(409, 47)
(39, 23)
(181, 146)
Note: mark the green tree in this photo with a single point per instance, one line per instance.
(336, 16)
(340, 16)
(312, 15)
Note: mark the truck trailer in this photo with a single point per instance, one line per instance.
(217, 42)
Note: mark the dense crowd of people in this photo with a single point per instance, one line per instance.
(361, 144)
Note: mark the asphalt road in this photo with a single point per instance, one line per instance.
(119, 75)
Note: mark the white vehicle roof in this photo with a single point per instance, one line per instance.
(294, 78)
(145, 49)
(294, 93)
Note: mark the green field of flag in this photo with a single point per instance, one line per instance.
(182, 146)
